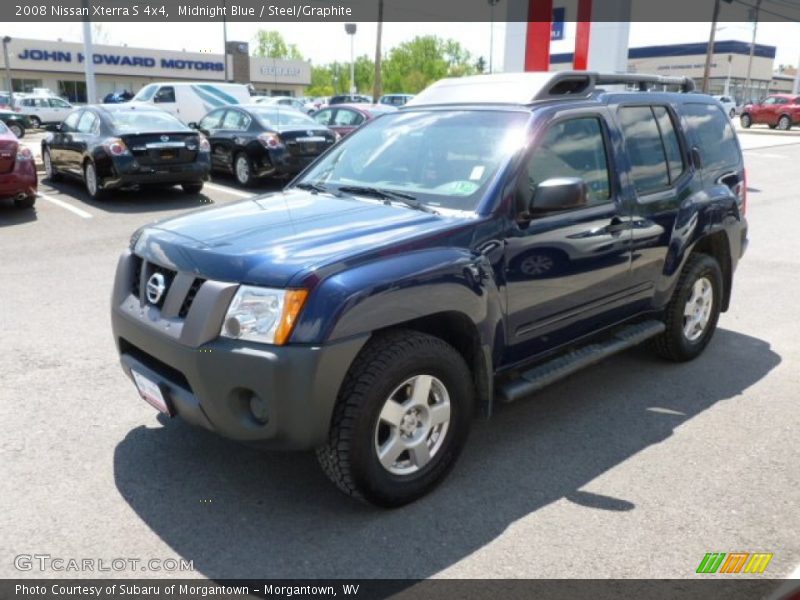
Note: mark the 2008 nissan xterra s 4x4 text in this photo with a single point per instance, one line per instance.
(493, 235)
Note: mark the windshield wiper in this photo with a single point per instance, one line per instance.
(315, 187)
(388, 195)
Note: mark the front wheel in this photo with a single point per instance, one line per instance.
(784, 123)
(692, 313)
(745, 121)
(243, 169)
(36, 122)
(17, 130)
(401, 419)
(91, 181)
(49, 169)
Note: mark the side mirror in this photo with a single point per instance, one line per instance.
(193, 125)
(557, 194)
(53, 127)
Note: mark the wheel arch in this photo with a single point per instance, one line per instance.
(715, 245)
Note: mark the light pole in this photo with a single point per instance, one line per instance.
(88, 59)
(752, 50)
(492, 4)
(6, 41)
(350, 28)
(225, 38)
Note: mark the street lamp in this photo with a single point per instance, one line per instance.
(6, 41)
(350, 28)
(492, 3)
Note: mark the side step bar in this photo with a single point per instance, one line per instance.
(566, 364)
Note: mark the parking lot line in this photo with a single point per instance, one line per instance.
(228, 190)
(73, 209)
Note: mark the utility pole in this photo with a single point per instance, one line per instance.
(752, 51)
(376, 90)
(6, 41)
(350, 29)
(225, 37)
(88, 58)
(710, 49)
(795, 87)
(492, 4)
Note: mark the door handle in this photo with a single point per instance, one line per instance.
(617, 226)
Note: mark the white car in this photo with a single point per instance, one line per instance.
(728, 103)
(42, 110)
(191, 101)
(280, 101)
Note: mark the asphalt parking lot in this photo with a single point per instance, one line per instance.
(634, 468)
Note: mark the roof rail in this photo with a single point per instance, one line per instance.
(526, 88)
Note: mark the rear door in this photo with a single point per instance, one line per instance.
(80, 139)
(568, 272)
(346, 120)
(228, 138)
(60, 140)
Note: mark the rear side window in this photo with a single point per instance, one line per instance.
(645, 149)
(711, 131)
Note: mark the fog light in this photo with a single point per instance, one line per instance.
(259, 409)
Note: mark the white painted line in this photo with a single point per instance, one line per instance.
(765, 155)
(228, 190)
(73, 209)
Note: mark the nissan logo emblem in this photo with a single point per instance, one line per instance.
(164, 138)
(155, 288)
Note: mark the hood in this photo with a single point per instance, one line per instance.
(271, 240)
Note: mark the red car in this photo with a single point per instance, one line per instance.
(779, 110)
(17, 171)
(346, 118)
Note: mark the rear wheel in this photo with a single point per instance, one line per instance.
(26, 202)
(692, 314)
(91, 181)
(193, 187)
(17, 129)
(732, 114)
(36, 122)
(243, 169)
(784, 123)
(401, 419)
(745, 121)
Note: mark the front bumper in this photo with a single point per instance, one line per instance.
(209, 381)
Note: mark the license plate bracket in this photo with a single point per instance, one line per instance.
(152, 393)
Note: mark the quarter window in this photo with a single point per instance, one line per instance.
(712, 132)
(573, 148)
(655, 160)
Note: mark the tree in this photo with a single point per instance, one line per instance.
(270, 44)
(415, 64)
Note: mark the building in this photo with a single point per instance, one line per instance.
(729, 64)
(59, 66)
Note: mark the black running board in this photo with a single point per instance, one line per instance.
(566, 364)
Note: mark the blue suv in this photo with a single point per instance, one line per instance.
(492, 236)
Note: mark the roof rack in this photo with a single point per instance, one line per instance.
(526, 88)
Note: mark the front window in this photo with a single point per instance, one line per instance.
(144, 121)
(145, 93)
(444, 159)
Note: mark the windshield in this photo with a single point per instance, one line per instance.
(150, 121)
(146, 93)
(274, 117)
(443, 158)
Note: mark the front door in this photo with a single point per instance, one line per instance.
(567, 272)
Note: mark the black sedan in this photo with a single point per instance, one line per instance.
(123, 146)
(254, 141)
(15, 121)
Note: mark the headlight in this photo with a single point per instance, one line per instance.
(262, 314)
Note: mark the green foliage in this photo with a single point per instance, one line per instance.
(270, 44)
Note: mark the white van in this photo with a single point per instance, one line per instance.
(191, 101)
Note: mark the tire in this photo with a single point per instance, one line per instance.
(745, 121)
(732, 114)
(784, 123)
(193, 187)
(36, 122)
(91, 181)
(26, 202)
(49, 168)
(675, 343)
(387, 369)
(17, 129)
(243, 169)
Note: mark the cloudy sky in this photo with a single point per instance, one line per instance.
(323, 42)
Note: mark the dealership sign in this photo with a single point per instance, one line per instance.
(111, 59)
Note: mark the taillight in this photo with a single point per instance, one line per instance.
(204, 146)
(270, 140)
(116, 147)
(24, 154)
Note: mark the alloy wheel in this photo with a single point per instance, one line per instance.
(697, 310)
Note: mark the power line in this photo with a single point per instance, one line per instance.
(769, 12)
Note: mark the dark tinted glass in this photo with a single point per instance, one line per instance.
(573, 148)
(671, 145)
(645, 151)
(711, 131)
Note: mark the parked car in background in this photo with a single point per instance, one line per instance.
(16, 122)
(42, 110)
(286, 101)
(728, 103)
(17, 171)
(117, 97)
(314, 104)
(191, 101)
(777, 111)
(346, 118)
(396, 100)
(122, 145)
(349, 99)
(5, 100)
(256, 141)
